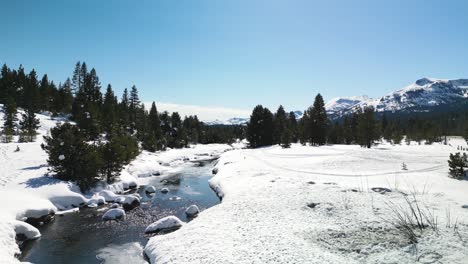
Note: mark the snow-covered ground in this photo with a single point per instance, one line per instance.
(27, 192)
(317, 205)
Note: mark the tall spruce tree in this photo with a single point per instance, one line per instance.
(9, 124)
(44, 94)
(28, 126)
(318, 122)
(133, 108)
(280, 125)
(293, 126)
(260, 127)
(110, 111)
(367, 127)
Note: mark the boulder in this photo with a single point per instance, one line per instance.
(168, 223)
(192, 210)
(114, 214)
(150, 189)
(130, 202)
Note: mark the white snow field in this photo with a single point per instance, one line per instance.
(317, 205)
(27, 192)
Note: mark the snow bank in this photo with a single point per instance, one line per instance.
(26, 231)
(109, 196)
(264, 217)
(114, 214)
(168, 222)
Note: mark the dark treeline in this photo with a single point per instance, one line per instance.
(109, 132)
(364, 127)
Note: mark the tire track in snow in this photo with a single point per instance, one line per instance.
(268, 163)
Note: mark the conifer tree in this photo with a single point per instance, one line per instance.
(9, 125)
(78, 78)
(457, 164)
(114, 156)
(293, 127)
(109, 111)
(44, 94)
(367, 127)
(5, 83)
(28, 126)
(154, 129)
(260, 127)
(286, 137)
(71, 158)
(319, 122)
(133, 108)
(64, 99)
(280, 124)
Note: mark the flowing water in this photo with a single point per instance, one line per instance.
(83, 237)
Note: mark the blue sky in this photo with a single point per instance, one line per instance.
(237, 54)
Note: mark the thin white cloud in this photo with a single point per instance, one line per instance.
(204, 113)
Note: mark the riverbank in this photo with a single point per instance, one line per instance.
(330, 204)
(28, 194)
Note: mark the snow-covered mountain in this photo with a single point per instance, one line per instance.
(230, 121)
(418, 96)
(339, 104)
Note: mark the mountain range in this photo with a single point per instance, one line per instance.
(424, 95)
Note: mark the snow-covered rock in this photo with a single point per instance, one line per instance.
(130, 202)
(150, 189)
(166, 223)
(192, 210)
(25, 231)
(114, 214)
(97, 200)
(109, 196)
(68, 200)
(164, 190)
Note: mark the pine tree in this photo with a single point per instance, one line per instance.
(31, 101)
(286, 137)
(109, 111)
(465, 134)
(134, 106)
(124, 111)
(5, 83)
(293, 127)
(367, 128)
(260, 127)
(397, 134)
(319, 122)
(114, 157)
(78, 78)
(280, 124)
(63, 100)
(9, 125)
(71, 158)
(153, 139)
(314, 123)
(28, 126)
(457, 164)
(44, 94)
